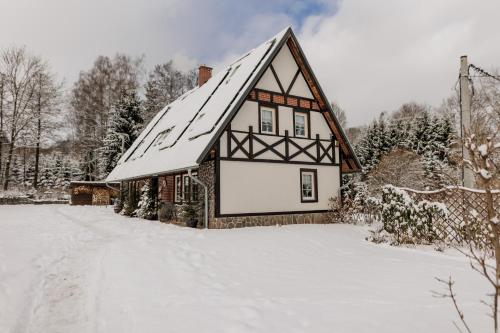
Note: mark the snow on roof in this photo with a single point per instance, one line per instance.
(178, 135)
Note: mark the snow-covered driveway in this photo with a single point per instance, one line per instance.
(85, 269)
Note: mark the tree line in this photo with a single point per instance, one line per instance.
(84, 129)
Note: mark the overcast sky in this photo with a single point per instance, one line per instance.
(369, 56)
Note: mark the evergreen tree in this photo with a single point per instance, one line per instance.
(124, 126)
(146, 206)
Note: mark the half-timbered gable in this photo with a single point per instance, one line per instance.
(278, 131)
(260, 134)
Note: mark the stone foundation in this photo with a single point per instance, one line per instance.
(268, 220)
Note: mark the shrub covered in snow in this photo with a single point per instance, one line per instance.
(146, 208)
(405, 220)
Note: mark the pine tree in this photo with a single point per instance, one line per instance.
(146, 206)
(125, 124)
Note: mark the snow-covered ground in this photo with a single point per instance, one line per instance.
(85, 269)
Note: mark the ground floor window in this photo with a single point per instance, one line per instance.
(178, 189)
(186, 190)
(308, 185)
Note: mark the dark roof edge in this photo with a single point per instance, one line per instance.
(327, 102)
(243, 96)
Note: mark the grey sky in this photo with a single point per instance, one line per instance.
(369, 56)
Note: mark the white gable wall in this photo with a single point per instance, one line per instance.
(285, 66)
(300, 88)
(247, 187)
(268, 82)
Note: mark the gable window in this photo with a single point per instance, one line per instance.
(178, 189)
(267, 120)
(300, 124)
(308, 185)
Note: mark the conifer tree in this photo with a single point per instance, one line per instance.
(124, 127)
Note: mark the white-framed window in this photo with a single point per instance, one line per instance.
(308, 185)
(300, 124)
(267, 120)
(185, 190)
(178, 188)
(194, 190)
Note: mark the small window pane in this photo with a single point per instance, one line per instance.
(300, 125)
(266, 121)
(186, 188)
(178, 188)
(194, 190)
(307, 186)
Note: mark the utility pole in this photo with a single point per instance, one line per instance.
(465, 119)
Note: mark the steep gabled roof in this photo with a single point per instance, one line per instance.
(181, 135)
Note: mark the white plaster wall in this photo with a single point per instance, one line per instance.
(285, 120)
(246, 116)
(300, 88)
(268, 82)
(319, 126)
(249, 187)
(285, 66)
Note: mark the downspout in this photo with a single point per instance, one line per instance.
(205, 217)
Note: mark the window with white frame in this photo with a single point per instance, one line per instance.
(267, 120)
(194, 190)
(178, 188)
(185, 190)
(300, 126)
(308, 185)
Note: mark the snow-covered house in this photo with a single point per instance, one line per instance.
(260, 137)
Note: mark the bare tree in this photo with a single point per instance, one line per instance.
(48, 94)
(20, 71)
(401, 168)
(91, 103)
(340, 113)
(2, 135)
(483, 154)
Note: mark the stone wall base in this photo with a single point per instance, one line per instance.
(268, 220)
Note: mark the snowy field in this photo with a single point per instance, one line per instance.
(85, 269)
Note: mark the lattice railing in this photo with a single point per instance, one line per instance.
(467, 215)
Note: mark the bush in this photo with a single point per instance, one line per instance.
(189, 214)
(146, 208)
(118, 206)
(354, 207)
(405, 220)
(167, 211)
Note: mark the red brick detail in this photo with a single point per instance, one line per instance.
(166, 188)
(315, 106)
(305, 104)
(204, 74)
(253, 94)
(292, 101)
(279, 99)
(263, 96)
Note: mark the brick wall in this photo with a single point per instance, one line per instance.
(166, 185)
